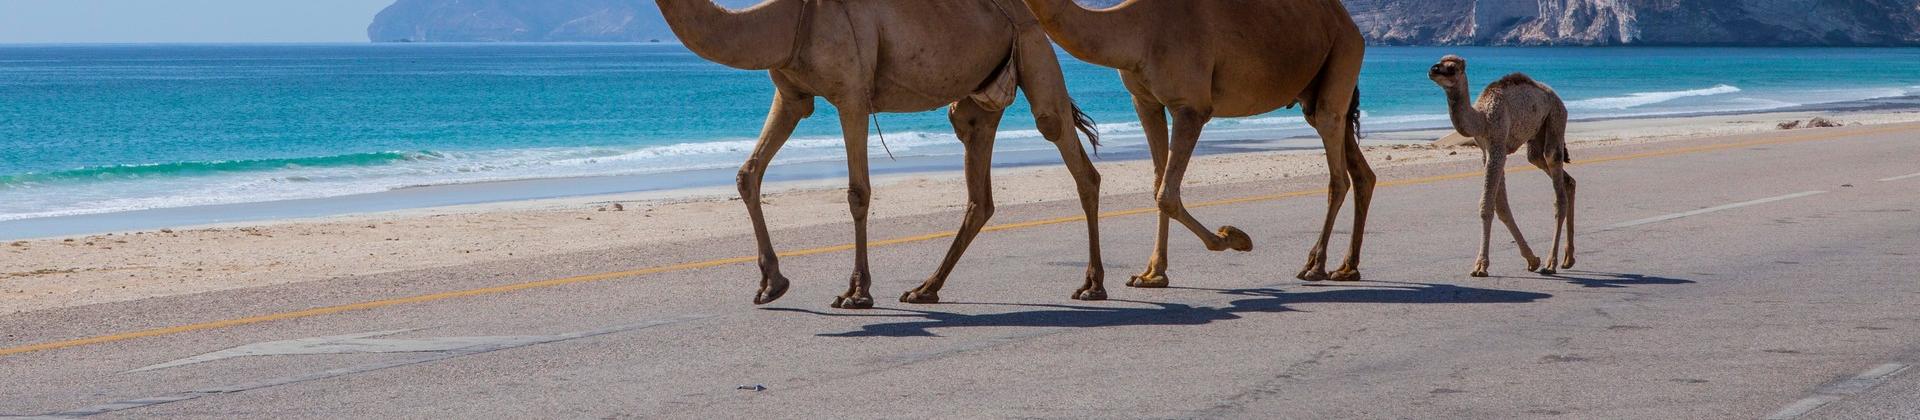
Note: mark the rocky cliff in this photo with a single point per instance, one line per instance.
(523, 21)
(1394, 22)
(1639, 22)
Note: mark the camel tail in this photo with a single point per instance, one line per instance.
(1353, 114)
(1085, 124)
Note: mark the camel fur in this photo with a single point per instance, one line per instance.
(872, 56)
(1514, 111)
(1201, 59)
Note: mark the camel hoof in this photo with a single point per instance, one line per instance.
(1090, 294)
(1235, 239)
(853, 302)
(1548, 270)
(1533, 263)
(771, 290)
(1568, 264)
(1480, 267)
(916, 296)
(1345, 275)
(1145, 281)
(1312, 275)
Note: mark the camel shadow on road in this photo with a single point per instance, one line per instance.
(1604, 280)
(922, 323)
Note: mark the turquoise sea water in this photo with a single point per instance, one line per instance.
(106, 128)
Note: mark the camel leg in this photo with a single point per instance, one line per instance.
(1556, 135)
(1568, 180)
(1153, 117)
(1332, 128)
(975, 127)
(1559, 209)
(853, 123)
(1187, 123)
(1363, 182)
(788, 109)
(1505, 212)
(1054, 114)
(1490, 196)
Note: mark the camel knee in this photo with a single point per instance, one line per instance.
(1092, 176)
(857, 199)
(1339, 185)
(748, 179)
(1050, 124)
(1169, 203)
(981, 211)
(1363, 180)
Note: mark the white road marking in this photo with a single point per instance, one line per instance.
(1839, 390)
(426, 357)
(1801, 408)
(361, 343)
(1659, 219)
(1897, 178)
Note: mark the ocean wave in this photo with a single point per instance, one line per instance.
(113, 172)
(1640, 99)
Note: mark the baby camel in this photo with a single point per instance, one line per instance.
(1512, 111)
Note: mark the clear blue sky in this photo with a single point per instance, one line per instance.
(83, 21)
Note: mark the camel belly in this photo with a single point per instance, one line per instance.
(923, 64)
(1247, 93)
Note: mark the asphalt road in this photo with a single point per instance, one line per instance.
(1760, 276)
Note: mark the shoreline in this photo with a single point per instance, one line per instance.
(135, 264)
(813, 174)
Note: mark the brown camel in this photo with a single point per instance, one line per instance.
(872, 56)
(1201, 59)
(1513, 111)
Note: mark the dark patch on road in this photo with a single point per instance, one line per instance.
(1555, 358)
(1446, 391)
(1628, 327)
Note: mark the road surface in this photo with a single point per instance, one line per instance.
(1757, 276)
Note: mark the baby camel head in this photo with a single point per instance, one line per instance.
(1450, 72)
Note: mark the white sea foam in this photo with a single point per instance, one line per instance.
(1640, 99)
(461, 167)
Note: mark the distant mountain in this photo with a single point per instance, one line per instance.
(1395, 22)
(523, 21)
(1639, 22)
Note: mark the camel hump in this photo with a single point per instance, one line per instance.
(999, 90)
(1516, 79)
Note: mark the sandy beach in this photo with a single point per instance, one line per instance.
(71, 271)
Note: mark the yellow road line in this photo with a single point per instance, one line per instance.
(846, 247)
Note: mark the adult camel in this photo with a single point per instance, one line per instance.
(1202, 59)
(872, 56)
